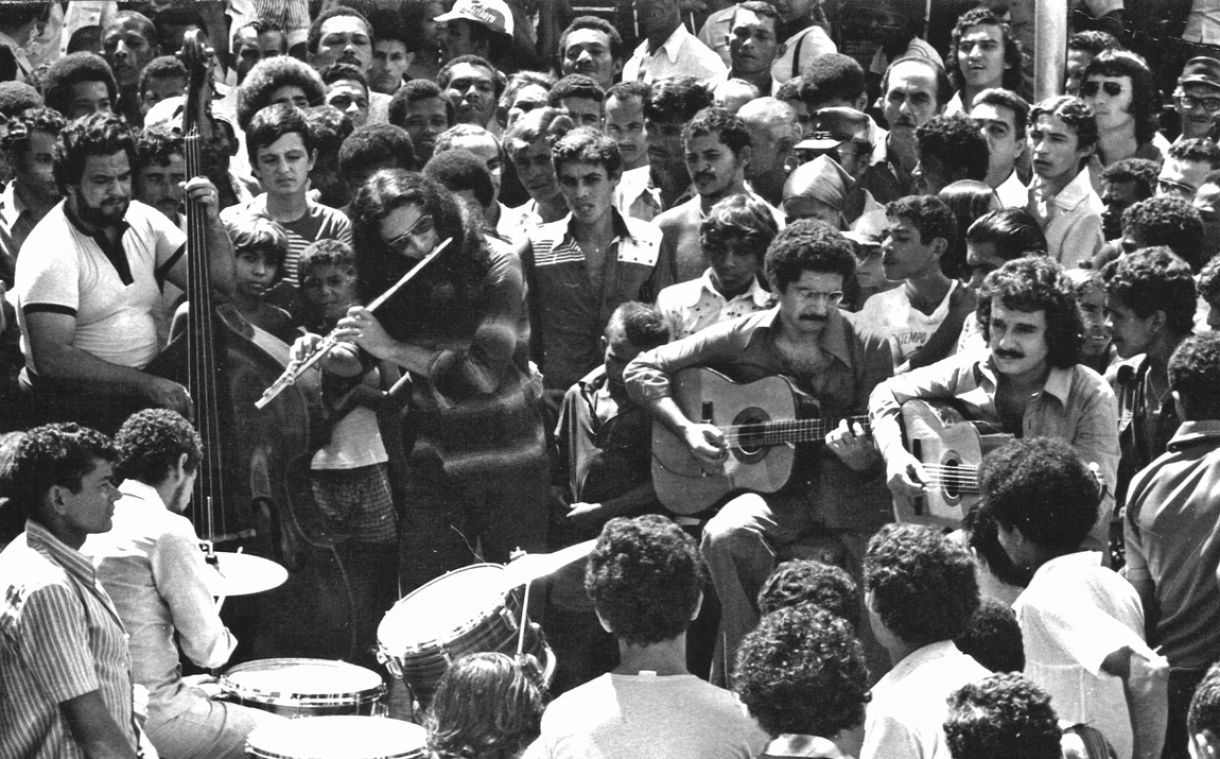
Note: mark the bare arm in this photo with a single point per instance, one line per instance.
(1146, 686)
(94, 728)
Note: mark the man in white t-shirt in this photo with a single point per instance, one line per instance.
(88, 284)
(921, 230)
(668, 48)
(646, 580)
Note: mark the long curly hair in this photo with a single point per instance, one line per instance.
(486, 707)
(1013, 54)
(1036, 283)
(451, 289)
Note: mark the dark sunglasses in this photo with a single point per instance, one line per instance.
(1089, 89)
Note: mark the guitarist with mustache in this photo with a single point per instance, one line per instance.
(1028, 382)
(836, 488)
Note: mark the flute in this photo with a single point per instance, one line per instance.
(299, 366)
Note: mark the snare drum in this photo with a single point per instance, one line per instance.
(338, 738)
(463, 612)
(305, 687)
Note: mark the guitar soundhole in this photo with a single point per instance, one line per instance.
(751, 443)
(949, 483)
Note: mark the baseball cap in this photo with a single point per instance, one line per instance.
(494, 14)
(1201, 70)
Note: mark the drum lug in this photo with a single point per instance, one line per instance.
(389, 662)
(509, 618)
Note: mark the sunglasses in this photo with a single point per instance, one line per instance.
(403, 244)
(1090, 89)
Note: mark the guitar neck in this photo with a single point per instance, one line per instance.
(790, 430)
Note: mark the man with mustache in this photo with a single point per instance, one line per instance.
(912, 92)
(836, 491)
(344, 35)
(87, 300)
(667, 107)
(1029, 382)
(593, 47)
(717, 147)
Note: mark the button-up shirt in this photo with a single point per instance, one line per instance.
(1071, 219)
(60, 638)
(151, 566)
(1075, 405)
(1012, 192)
(745, 350)
(636, 196)
(691, 306)
(682, 54)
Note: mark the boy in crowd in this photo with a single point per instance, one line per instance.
(1062, 135)
(1004, 716)
(1002, 117)
(259, 248)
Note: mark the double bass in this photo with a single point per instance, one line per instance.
(252, 492)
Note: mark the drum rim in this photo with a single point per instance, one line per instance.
(441, 645)
(254, 750)
(307, 700)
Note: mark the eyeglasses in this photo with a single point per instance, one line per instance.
(1190, 102)
(404, 243)
(1176, 189)
(831, 298)
(1089, 89)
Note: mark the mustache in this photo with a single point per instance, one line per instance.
(705, 175)
(1009, 354)
(812, 318)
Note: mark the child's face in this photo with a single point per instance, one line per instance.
(329, 289)
(255, 271)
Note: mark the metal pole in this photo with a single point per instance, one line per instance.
(1050, 47)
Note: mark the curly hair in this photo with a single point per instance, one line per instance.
(1168, 221)
(808, 245)
(739, 223)
(413, 92)
(1209, 280)
(461, 170)
(99, 134)
(1013, 232)
(956, 142)
(1197, 150)
(151, 441)
(464, 265)
(156, 145)
(248, 232)
(587, 145)
(575, 86)
(272, 123)
(498, 82)
(676, 100)
(832, 76)
(270, 74)
(548, 122)
(642, 325)
(922, 583)
(1194, 372)
(1003, 716)
(1154, 279)
(802, 671)
(1072, 111)
(374, 144)
(344, 72)
(732, 130)
(16, 97)
(927, 213)
(805, 581)
(645, 578)
(53, 454)
(37, 119)
(1042, 486)
(969, 200)
(329, 127)
(445, 140)
(1141, 171)
(983, 537)
(326, 253)
(1037, 283)
(630, 90)
(485, 706)
(162, 67)
(1093, 42)
(519, 81)
(1204, 712)
(1145, 98)
(72, 69)
(1013, 54)
(598, 24)
(1002, 98)
(993, 637)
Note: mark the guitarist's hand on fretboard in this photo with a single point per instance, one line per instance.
(905, 475)
(853, 447)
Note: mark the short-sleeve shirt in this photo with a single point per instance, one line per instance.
(890, 313)
(113, 291)
(319, 222)
(680, 55)
(60, 638)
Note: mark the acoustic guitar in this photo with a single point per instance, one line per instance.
(950, 447)
(759, 419)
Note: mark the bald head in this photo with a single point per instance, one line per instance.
(774, 132)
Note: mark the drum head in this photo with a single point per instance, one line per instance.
(338, 738)
(443, 608)
(293, 680)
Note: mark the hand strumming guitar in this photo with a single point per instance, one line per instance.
(707, 444)
(905, 475)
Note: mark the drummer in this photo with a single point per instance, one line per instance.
(151, 565)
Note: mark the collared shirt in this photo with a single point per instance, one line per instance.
(792, 745)
(1073, 614)
(60, 638)
(25, 69)
(745, 350)
(1012, 192)
(16, 222)
(1075, 405)
(715, 33)
(515, 223)
(567, 315)
(1172, 530)
(636, 196)
(1145, 426)
(691, 306)
(885, 178)
(1154, 150)
(151, 565)
(909, 705)
(1071, 220)
(916, 48)
(680, 236)
(682, 54)
(800, 50)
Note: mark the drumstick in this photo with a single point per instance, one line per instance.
(525, 620)
(220, 600)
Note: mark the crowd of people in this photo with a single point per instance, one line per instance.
(886, 394)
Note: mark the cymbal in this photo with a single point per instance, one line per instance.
(240, 574)
(535, 566)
